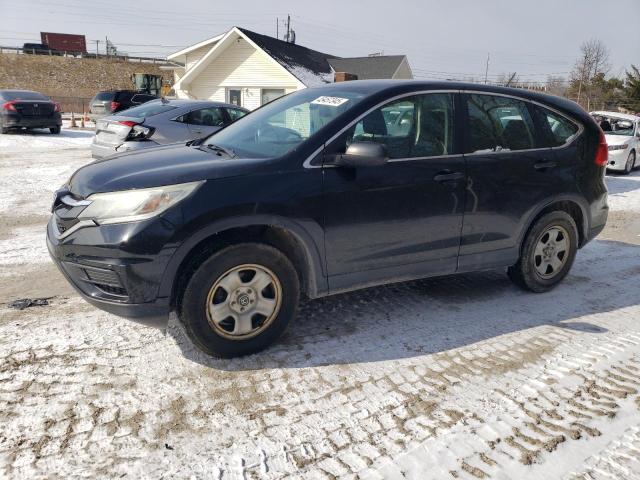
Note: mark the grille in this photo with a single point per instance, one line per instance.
(118, 291)
(103, 277)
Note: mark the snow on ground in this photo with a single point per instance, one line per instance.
(456, 377)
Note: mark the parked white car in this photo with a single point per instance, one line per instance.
(622, 132)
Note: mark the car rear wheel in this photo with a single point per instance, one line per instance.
(240, 300)
(55, 130)
(547, 253)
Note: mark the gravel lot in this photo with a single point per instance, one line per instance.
(456, 377)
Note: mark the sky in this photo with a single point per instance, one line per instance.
(442, 39)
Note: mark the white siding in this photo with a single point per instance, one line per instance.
(240, 66)
(403, 72)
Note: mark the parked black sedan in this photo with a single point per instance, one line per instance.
(27, 109)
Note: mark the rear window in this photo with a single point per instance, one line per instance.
(23, 96)
(147, 110)
(559, 130)
(102, 96)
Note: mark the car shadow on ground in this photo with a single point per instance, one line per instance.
(439, 314)
(44, 132)
(618, 183)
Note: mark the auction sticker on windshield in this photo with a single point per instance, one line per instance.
(330, 101)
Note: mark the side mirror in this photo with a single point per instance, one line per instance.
(363, 154)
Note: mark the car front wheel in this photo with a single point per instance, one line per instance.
(240, 300)
(631, 163)
(55, 130)
(547, 253)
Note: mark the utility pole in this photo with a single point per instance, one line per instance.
(288, 28)
(106, 43)
(277, 28)
(97, 48)
(486, 70)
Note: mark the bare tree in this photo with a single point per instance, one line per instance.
(556, 85)
(593, 62)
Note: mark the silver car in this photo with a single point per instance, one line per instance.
(161, 122)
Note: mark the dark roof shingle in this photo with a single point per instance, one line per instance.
(368, 68)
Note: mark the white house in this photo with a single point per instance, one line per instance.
(250, 69)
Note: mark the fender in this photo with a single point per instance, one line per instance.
(527, 220)
(309, 234)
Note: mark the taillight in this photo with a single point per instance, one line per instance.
(602, 152)
(9, 106)
(114, 106)
(128, 123)
(56, 107)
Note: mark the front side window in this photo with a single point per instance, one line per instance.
(280, 126)
(211, 117)
(497, 124)
(413, 127)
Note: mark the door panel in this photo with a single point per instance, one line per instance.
(511, 172)
(396, 221)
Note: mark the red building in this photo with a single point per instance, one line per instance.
(64, 42)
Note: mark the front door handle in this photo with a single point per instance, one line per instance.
(447, 176)
(544, 165)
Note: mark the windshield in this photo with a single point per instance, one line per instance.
(280, 126)
(23, 96)
(147, 110)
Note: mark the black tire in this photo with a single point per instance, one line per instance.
(4, 130)
(193, 307)
(55, 130)
(524, 272)
(631, 162)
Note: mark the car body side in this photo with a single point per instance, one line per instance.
(283, 202)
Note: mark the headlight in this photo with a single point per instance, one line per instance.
(133, 205)
(618, 147)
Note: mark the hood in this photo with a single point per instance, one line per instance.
(157, 166)
(617, 139)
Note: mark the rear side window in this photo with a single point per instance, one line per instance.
(124, 96)
(147, 110)
(211, 117)
(558, 129)
(498, 124)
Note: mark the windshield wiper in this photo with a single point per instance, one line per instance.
(217, 148)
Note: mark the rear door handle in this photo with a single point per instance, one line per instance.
(544, 165)
(447, 176)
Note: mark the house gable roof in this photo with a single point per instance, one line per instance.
(184, 51)
(369, 68)
(309, 66)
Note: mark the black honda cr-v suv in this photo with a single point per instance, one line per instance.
(332, 189)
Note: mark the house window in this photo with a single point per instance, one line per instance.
(270, 94)
(234, 96)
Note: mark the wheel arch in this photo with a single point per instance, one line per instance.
(293, 240)
(574, 206)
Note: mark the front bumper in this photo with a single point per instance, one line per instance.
(109, 275)
(618, 159)
(13, 120)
